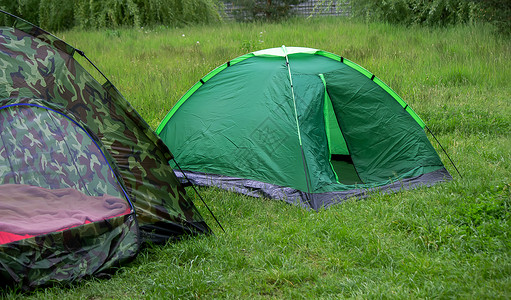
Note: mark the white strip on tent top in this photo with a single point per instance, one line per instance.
(283, 51)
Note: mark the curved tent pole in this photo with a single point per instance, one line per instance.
(89, 134)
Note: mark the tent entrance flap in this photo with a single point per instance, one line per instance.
(336, 142)
(340, 159)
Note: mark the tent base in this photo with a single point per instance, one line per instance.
(313, 200)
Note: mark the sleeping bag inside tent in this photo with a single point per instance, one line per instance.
(59, 199)
(302, 125)
(84, 180)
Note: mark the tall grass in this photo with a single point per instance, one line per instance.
(427, 67)
(448, 241)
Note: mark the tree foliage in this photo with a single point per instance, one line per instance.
(497, 12)
(436, 12)
(423, 12)
(63, 14)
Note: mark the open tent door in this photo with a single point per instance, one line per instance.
(384, 140)
(59, 196)
(45, 148)
(340, 159)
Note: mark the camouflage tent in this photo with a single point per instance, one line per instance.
(84, 181)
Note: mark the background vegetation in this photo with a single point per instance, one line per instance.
(448, 241)
(429, 12)
(54, 15)
(436, 12)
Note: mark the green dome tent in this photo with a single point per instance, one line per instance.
(301, 125)
(84, 181)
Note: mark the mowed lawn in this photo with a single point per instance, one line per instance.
(452, 240)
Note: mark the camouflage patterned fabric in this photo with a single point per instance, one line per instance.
(42, 147)
(37, 65)
(39, 69)
(69, 255)
(45, 149)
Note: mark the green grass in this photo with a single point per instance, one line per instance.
(448, 241)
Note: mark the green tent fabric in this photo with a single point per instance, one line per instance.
(66, 137)
(299, 124)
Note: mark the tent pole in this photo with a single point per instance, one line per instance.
(85, 56)
(197, 192)
(438, 142)
(304, 161)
